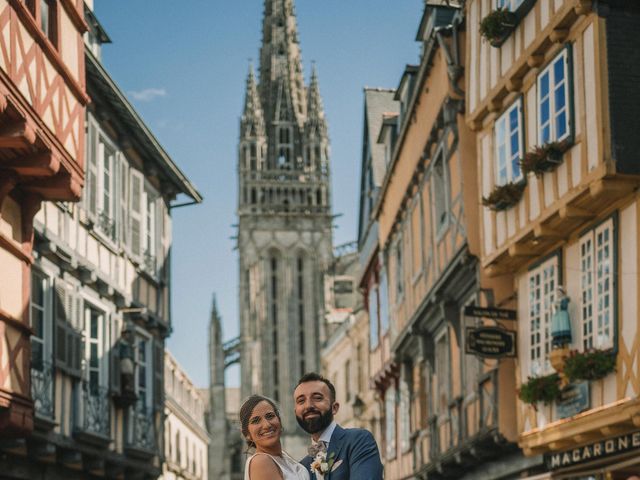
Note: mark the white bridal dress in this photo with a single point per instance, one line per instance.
(291, 470)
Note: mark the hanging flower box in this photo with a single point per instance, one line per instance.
(504, 196)
(497, 26)
(590, 365)
(543, 158)
(540, 389)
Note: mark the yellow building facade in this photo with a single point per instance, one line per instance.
(446, 413)
(552, 100)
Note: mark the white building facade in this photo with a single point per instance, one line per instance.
(186, 439)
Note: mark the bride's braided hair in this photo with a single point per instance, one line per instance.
(247, 409)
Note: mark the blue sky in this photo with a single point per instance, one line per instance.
(183, 65)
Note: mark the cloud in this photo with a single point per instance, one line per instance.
(148, 94)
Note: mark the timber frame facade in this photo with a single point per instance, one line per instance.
(42, 108)
(446, 414)
(98, 307)
(566, 73)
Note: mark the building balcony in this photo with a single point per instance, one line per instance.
(93, 415)
(43, 393)
(142, 441)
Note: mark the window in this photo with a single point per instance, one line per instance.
(509, 145)
(442, 363)
(274, 326)
(40, 336)
(509, 4)
(48, 19)
(94, 348)
(553, 100)
(285, 146)
(543, 282)
(143, 371)
(106, 188)
(596, 285)
(390, 421)
(384, 303)
(373, 318)
(440, 188)
(405, 426)
(150, 230)
(399, 271)
(301, 315)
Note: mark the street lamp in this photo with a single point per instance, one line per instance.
(358, 407)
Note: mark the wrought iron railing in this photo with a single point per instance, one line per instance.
(95, 410)
(43, 389)
(107, 225)
(149, 262)
(142, 428)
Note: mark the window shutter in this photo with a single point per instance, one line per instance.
(61, 324)
(136, 212)
(92, 172)
(75, 338)
(158, 374)
(123, 199)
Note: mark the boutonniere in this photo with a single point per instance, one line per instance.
(322, 465)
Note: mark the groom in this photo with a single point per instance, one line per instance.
(351, 453)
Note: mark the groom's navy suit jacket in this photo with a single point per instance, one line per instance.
(359, 454)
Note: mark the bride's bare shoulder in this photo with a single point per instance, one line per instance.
(263, 467)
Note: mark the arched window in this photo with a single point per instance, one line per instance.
(273, 300)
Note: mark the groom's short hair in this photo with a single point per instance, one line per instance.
(316, 377)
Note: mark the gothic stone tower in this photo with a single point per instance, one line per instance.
(284, 208)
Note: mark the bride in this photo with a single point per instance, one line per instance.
(262, 428)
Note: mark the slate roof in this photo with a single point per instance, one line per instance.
(378, 102)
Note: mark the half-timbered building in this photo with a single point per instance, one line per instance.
(42, 107)
(554, 102)
(99, 305)
(379, 107)
(447, 414)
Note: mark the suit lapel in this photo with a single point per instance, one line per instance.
(335, 445)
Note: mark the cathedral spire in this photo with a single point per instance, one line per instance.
(252, 122)
(281, 81)
(216, 349)
(315, 116)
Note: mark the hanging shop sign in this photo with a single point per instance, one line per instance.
(593, 451)
(574, 398)
(492, 342)
(490, 312)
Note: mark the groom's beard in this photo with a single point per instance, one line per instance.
(316, 424)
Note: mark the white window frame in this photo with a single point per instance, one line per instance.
(46, 341)
(100, 342)
(555, 112)
(136, 212)
(440, 193)
(597, 291)
(91, 184)
(542, 282)
(107, 160)
(507, 159)
(141, 335)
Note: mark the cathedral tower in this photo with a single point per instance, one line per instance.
(284, 231)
